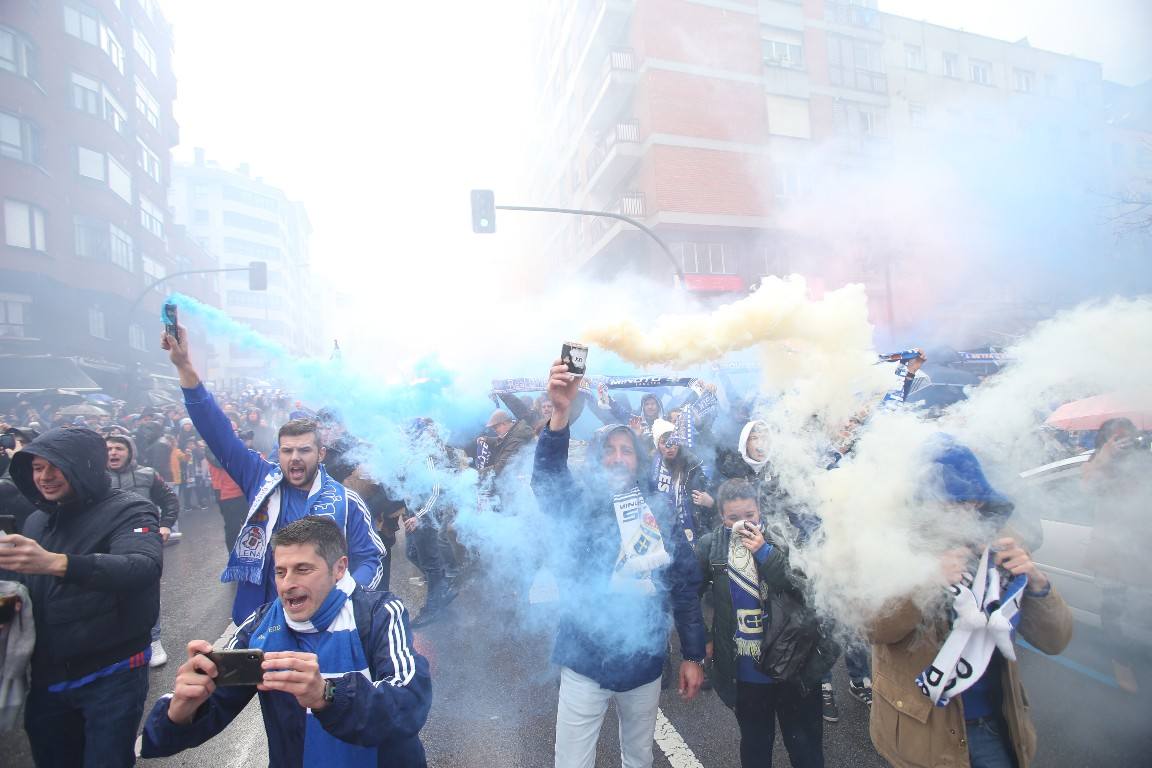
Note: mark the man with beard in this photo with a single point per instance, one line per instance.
(278, 493)
(622, 563)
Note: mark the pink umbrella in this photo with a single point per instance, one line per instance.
(1091, 412)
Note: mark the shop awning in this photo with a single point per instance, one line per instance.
(41, 373)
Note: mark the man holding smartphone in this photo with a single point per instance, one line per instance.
(278, 493)
(340, 684)
(90, 557)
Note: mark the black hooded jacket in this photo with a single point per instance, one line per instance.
(102, 610)
(145, 481)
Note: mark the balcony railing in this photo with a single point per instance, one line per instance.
(593, 228)
(621, 133)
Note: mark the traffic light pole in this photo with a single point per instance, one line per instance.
(166, 278)
(607, 215)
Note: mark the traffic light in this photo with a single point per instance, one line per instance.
(257, 275)
(483, 211)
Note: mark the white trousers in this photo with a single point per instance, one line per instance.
(580, 714)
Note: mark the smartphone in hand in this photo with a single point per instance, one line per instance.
(243, 666)
(171, 326)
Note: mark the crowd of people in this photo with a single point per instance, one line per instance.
(674, 517)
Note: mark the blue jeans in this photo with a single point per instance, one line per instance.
(988, 744)
(93, 726)
(858, 660)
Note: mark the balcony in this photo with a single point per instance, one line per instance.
(596, 232)
(610, 90)
(613, 157)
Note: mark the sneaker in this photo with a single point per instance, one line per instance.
(428, 614)
(159, 655)
(861, 690)
(831, 713)
(174, 536)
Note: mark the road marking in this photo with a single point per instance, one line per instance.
(679, 754)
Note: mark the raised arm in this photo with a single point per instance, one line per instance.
(366, 551)
(246, 467)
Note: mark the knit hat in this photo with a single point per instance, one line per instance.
(660, 427)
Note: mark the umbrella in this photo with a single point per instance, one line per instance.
(83, 410)
(1091, 412)
(100, 397)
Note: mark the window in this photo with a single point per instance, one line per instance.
(234, 219)
(151, 217)
(96, 325)
(19, 139)
(147, 105)
(703, 258)
(137, 338)
(82, 22)
(255, 251)
(777, 260)
(119, 180)
(120, 252)
(782, 54)
(148, 160)
(13, 310)
(24, 225)
(1025, 81)
(17, 54)
(917, 114)
(111, 46)
(859, 120)
(114, 113)
(152, 268)
(144, 50)
(251, 198)
(90, 164)
(85, 94)
(981, 72)
(914, 57)
(858, 13)
(200, 216)
(787, 186)
(91, 238)
(951, 65)
(1050, 87)
(856, 64)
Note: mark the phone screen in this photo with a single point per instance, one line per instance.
(238, 667)
(171, 326)
(8, 524)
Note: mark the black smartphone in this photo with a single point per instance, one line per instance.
(238, 667)
(8, 524)
(171, 326)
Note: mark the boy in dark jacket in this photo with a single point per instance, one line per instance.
(742, 569)
(341, 687)
(91, 559)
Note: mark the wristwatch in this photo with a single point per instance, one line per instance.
(329, 691)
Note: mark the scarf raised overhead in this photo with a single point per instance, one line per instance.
(984, 616)
(331, 634)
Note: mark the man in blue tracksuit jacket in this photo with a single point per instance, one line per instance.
(340, 687)
(277, 493)
(623, 567)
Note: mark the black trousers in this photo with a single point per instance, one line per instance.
(758, 707)
(234, 511)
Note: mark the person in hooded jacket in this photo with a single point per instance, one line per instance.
(621, 563)
(91, 559)
(679, 474)
(12, 502)
(126, 474)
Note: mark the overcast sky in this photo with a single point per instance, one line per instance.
(380, 117)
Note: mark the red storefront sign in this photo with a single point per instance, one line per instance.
(714, 283)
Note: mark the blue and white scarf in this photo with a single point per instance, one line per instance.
(984, 617)
(327, 498)
(336, 643)
(748, 595)
(642, 551)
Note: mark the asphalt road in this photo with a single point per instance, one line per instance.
(495, 693)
